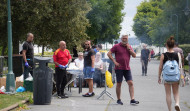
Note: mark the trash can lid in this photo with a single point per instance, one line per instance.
(43, 59)
(1, 56)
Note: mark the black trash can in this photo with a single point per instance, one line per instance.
(17, 64)
(1, 65)
(42, 81)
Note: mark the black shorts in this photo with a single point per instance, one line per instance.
(123, 73)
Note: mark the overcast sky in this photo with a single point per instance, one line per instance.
(130, 11)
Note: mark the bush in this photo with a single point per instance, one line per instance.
(6, 51)
(45, 54)
(186, 50)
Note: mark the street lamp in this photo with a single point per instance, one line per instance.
(176, 25)
(187, 10)
(10, 82)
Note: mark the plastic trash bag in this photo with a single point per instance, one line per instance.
(3, 89)
(1, 92)
(21, 78)
(109, 79)
(20, 89)
(30, 78)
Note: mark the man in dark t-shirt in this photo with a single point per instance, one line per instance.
(28, 55)
(89, 69)
(145, 57)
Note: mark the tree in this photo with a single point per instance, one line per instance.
(3, 27)
(146, 13)
(50, 21)
(162, 23)
(105, 18)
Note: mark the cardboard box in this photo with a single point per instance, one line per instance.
(2, 81)
(18, 84)
(17, 79)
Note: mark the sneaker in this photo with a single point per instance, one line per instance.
(64, 96)
(133, 102)
(177, 108)
(88, 95)
(119, 102)
(59, 96)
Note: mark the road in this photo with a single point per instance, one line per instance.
(147, 90)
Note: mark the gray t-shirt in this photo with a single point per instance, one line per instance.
(145, 54)
(177, 49)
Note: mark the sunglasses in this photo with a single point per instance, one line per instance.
(87, 44)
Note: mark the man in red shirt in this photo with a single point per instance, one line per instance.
(123, 52)
(61, 59)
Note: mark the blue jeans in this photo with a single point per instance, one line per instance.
(87, 73)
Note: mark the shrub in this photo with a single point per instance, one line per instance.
(186, 50)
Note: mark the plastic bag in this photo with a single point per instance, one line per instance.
(30, 78)
(109, 79)
(3, 89)
(1, 92)
(21, 78)
(20, 89)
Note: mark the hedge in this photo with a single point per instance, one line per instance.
(186, 50)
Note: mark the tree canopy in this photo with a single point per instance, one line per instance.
(50, 21)
(105, 18)
(156, 20)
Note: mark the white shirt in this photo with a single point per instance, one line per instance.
(98, 64)
(79, 63)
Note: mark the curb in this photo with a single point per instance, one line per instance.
(14, 105)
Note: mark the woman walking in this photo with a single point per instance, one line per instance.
(174, 85)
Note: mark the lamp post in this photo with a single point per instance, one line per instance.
(10, 82)
(176, 25)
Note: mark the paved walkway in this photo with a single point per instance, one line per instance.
(150, 94)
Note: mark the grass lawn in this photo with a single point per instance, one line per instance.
(51, 65)
(8, 100)
(186, 67)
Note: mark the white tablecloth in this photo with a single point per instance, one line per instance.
(75, 72)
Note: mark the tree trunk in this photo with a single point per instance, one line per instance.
(42, 50)
(15, 46)
(3, 49)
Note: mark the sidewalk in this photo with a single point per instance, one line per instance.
(150, 94)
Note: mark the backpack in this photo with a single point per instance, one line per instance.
(171, 71)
